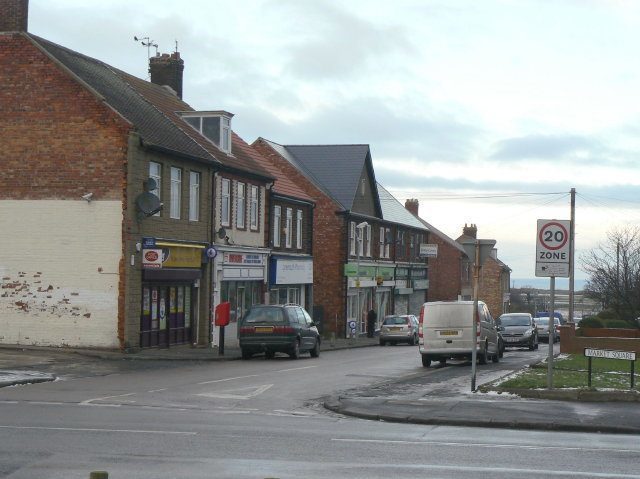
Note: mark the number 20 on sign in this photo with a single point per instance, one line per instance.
(553, 248)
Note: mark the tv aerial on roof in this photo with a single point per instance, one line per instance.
(147, 42)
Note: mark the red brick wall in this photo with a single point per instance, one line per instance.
(58, 140)
(329, 246)
(444, 272)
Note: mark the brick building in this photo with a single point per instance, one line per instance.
(106, 201)
(357, 251)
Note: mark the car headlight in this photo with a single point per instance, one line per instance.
(528, 333)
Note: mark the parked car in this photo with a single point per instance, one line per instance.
(543, 329)
(518, 330)
(278, 328)
(445, 331)
(401, 328)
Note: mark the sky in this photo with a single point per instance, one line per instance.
(486, 112)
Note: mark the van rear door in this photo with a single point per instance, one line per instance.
(447, 325)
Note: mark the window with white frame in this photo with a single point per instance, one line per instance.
(352, 238)
(253, 208)
(368, 241)
(194, 196)
(299, 229)
(215, 126)
(176, 192)
(288, 233)
(381, 242)
(155, 172)
(241, 201)
(225, 202)
(277, 221)
(387, 242)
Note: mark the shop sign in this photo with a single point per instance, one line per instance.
(402, 273)
(386, 272)
(152, 258)
(243, 258)
(148, 242)
(181, 257)
(428, 250)
(351, 270)
(293, 271)
(420, 284)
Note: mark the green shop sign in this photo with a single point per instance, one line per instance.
(351, 270)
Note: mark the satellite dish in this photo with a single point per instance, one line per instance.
(222, 233)
(148, 204)
(150, 184)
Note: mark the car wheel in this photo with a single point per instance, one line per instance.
(315, 352)
(443, 362)
(532, 344)
(393, 343)
(246, 354)
(501, 349)
(496, 357)
(412, 341)
(295, 350)
(537, 343)
(426, 362)
(269, 354)
(383, 342)
(482, 356)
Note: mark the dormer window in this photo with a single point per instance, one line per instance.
(213, 125)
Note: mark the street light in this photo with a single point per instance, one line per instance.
(359, 228)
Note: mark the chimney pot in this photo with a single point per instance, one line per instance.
(412, 205)
(471, 230)
(166, 69)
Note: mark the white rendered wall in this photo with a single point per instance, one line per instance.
(59, 272)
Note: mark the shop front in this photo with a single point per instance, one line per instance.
(369, 287)
(171, 274)
(291, 280)
(411, 289)
(239, 277)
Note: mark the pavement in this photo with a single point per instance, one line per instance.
(411, 399)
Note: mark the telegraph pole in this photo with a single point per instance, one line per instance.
(572, 252)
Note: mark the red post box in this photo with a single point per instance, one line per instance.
(223, 314)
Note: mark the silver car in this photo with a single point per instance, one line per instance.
(399, 328)
(543, 329)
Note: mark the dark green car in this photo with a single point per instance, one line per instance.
(275, 328)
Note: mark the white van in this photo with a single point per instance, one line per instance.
(446, 331)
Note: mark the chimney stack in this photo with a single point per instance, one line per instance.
(14, 15)
(412, 205)
(167, 70)
(471, 231)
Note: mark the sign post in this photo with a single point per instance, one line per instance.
(553, 248)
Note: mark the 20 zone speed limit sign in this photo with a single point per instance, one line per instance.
(553, 248)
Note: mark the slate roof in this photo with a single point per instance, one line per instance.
(335, 169)
(393, 211)
(151, 109)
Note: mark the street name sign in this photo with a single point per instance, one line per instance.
(553, 248)
(607, 353)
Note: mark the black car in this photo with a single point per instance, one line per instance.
(518, 330)
(278, 328)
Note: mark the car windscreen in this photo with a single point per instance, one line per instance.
(515, 320)
(264, 315)
(542, 321)
(395, 320)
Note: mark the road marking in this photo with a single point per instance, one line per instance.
(87, 429)
(157, 390)
(229, 379)
(489, 446)
(89, 402)
(294, 369)
(253, 391)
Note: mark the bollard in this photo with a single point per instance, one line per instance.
(99, 475)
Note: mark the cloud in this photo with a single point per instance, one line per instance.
(546, 147)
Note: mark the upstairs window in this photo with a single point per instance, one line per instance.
(155, 172)
(253, 208)
(225, 202)
(241, 201)
(287, 229)
(352, 238)
(299, 229)
(194, 196)
(381, 242)
(277, 221)
(387, 240)
(367, 239)
(176, 192)
(213, 125)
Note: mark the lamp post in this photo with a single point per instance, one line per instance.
(479, 250)
(359, 228)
